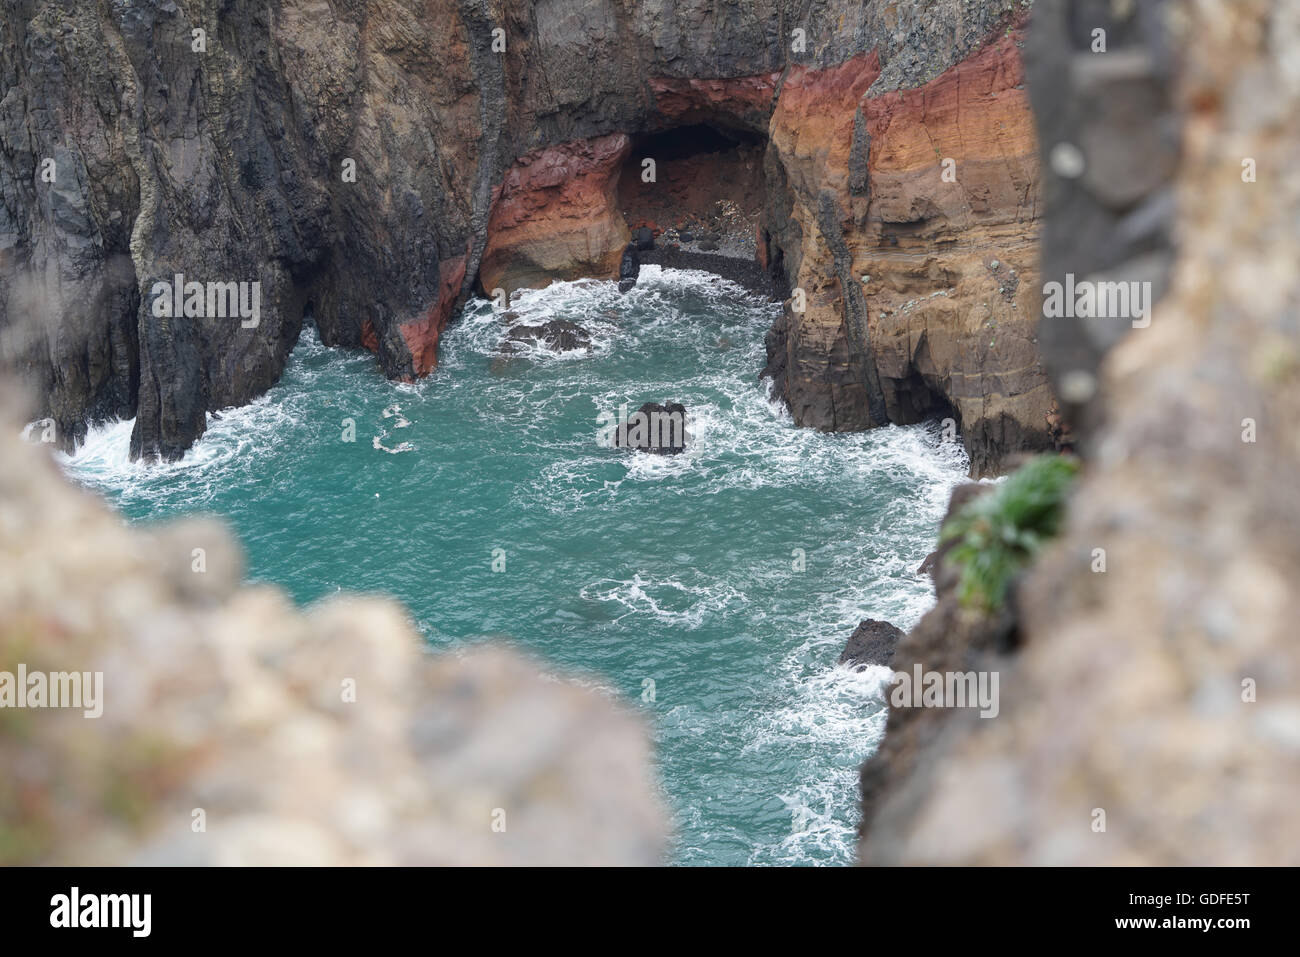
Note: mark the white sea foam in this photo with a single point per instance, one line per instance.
(748, 443)
(665, 599)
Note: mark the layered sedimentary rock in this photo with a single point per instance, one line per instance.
(1149, 710)
(371, 164)
(823, 364)
(912, 234)
(233, 729)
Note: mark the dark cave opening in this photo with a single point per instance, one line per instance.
(679, 142)
(915, 400)
(704, 189)
(917, 396)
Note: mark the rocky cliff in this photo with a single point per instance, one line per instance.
(912, 232)
(370, 164)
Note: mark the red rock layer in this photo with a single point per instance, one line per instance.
(745, 101)
(422, 334)
(555, 216)
(976, 113)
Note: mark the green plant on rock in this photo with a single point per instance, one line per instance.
(999, 534)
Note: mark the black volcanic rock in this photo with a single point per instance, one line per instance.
(629, 269)
(558, 335)
(657, 428)
(872, 643)
(645, 238)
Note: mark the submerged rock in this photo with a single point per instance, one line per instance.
(558, 335)
(872, 643)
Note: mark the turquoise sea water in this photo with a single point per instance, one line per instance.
(622, 568)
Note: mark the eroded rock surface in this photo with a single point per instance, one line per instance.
(555, 217)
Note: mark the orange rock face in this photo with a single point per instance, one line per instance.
(812, 126)
(916, 252)
(821, 366)
(555, 216)
(952, 251)
(977, 114)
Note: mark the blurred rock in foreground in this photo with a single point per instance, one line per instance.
(1164, 691)
(225, 706)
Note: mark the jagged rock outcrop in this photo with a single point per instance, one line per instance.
(872, 643)
(237, 730)
(1150, 714)
(659, 428)
(558, 335)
